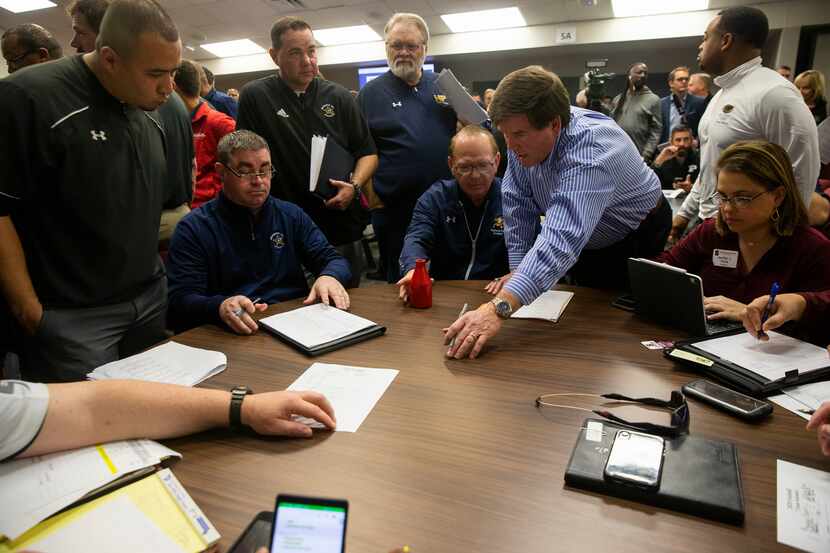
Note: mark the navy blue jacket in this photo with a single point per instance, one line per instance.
(412, 128)
(219, 251)
(442, 230)
(695, 106)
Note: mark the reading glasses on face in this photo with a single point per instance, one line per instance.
(400, 46)
(738, 202)
(251, 177)
(480, 168)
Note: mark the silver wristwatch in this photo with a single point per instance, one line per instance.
(503, 309)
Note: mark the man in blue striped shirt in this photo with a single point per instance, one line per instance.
(576, 167)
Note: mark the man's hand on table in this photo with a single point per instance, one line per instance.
(236, 312)
(472, 331)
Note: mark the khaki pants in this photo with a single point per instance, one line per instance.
(169, 220)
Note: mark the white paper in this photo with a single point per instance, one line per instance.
(769, 359)
(117, 525)
(466, 109)
(171, 363)
(35, 488)
(318, 149)
(549, 306)
(671, 194)
(812, 395)
(803, 507)
(791, 405)
(352, 391)
(316, 324)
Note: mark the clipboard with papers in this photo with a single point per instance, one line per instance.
(758, 368)
(320, 328)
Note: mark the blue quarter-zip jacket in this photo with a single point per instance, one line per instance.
(220, 250)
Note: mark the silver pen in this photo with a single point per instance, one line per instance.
(241, 310)
(463, 310)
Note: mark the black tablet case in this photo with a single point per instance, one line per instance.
(737, 377)
(699, 477)
(337, 164)
(353, 338)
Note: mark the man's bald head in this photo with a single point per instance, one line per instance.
(126, 20)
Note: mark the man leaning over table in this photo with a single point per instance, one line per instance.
(36, 419)
(601, 203)
(246, 244)
(458, 223)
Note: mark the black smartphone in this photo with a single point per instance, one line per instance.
(256, 535)
(732, 402)
(309, 524)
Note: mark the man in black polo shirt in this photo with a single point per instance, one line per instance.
(82, 183)
(287, 109)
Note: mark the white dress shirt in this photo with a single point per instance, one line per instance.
(754, 103)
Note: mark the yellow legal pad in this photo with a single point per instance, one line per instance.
(153, 514)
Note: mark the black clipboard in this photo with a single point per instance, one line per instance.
(348, 340)
(735, 376)
(338, 164)
(700, 477)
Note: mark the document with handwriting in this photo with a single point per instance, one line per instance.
(803, 507)
(316, 324)
(352, 391)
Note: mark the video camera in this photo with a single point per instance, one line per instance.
(595, 88)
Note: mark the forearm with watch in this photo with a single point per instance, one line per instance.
(15, 282)
(363, 171)
(503, 305)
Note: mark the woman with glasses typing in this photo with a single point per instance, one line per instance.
(760, 235)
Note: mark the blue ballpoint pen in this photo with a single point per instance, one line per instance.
(772, 293)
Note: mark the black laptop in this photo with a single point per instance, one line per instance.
(671, 296)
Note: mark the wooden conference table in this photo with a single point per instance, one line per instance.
(455, 457)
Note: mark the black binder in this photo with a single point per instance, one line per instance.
(353, 338)
(700, 477)
(337, 164)
(737, 377)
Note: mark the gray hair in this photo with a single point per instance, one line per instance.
(407, 19)
(239, 140)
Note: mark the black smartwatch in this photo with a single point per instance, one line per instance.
(235, 415)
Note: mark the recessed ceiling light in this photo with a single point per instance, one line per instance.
(631, 8)
(20, 6)
(345, 35)
(482, 20)
(231, 48)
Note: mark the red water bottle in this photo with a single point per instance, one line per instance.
(420, 287)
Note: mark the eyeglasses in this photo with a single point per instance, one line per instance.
(480, 168)
(678, 411)
(401, 46)
(738, 202)
(251, 177)
(14, 62)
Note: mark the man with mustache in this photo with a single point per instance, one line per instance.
(82, 184)
(412, 124)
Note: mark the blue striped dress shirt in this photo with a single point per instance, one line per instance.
(593, 189)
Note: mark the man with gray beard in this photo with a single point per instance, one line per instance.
(412, 124)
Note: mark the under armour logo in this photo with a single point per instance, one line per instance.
(282, 113)
(397, 104)
(450, 219)
(98, 135)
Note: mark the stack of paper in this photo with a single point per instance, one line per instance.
(172, 363)
(153, 514)
(803, 507)
(352, 391)
(35, 488)
(547, 307)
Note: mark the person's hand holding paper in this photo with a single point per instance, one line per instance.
(273, 413)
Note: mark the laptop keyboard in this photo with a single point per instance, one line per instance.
(718, 326)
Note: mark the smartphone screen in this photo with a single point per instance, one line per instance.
(309, 525)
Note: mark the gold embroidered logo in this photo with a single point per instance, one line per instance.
(440, 99)
(327, 110)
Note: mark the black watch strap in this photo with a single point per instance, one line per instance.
(235, 415)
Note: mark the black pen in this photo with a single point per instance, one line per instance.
(241, 310)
